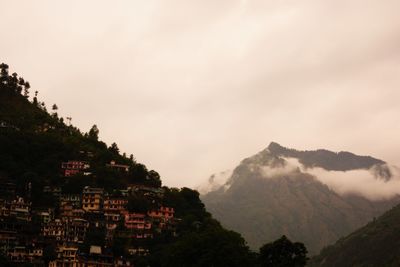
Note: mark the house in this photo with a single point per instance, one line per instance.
(148, 191)
(8, 239)
(54, 229)
(44, 216)
(115, 204)
(5, 207)
(138, 251)
(74, 167)
(17, 254)
(75, 230)
(96, 257)
(112, 220)
(92, 198)
(138, 225)
(119, 167)
(68, 211)
(136, 221)
(165, 213)
(22, 254)
(66, 257)
(121, 262)
(21, 209)
(73, 199)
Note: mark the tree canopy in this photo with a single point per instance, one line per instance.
(283, 253)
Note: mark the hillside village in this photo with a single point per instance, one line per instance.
(27, 232)
(69, 199)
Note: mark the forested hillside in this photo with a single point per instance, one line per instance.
(42, 190)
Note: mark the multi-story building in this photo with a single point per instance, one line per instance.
(166, 213)
(92, 198)
(44, 216)
(66, 210)
(22, 254)
(73, 199)
(5, 207)
(74, 167)
(54, 229)
(8, 239)
(17, 254)
(75, 230)
(69, 211)
(115, 204)
(20, 209)
(66, 257)
(136, 221)
(96, 257)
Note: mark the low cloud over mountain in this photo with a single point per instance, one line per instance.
(311, 196)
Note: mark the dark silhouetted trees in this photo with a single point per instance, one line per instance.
(283, 253)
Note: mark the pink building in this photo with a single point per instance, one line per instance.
(137, 221)
(74, 167)
(163, 212)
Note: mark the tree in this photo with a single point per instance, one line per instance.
(94, 133)
(54, 108)
(114, 148)
(132, 158)
(213, 246)
(154, 178)
(3, 70)
(283, 253)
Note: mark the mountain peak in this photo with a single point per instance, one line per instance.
(276, 148)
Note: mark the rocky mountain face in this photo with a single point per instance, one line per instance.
(282, 191)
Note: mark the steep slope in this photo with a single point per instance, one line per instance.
(276, 192)
(375, 244)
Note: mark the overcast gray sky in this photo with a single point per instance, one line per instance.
(192, 87)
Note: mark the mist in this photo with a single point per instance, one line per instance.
(362, 182)
(359, 182)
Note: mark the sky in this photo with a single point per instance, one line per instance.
(190, 88)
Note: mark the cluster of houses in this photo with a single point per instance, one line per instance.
(25, 233)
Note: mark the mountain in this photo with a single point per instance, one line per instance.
(314, 197)
(375, 244)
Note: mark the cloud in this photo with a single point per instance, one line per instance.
(364, 183)
(192, 87)
(215, 182)
(359, 182)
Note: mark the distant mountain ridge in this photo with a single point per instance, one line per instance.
(277, 192)
(331, 161)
